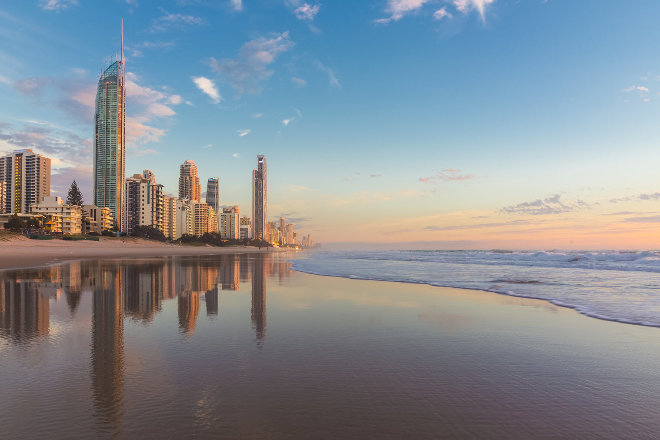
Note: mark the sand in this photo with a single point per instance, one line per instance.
(19, 252)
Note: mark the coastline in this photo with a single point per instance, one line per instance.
(23, 253)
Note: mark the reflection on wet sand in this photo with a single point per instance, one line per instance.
(134, 290)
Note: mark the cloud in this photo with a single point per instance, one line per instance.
(237, 5)
(135, 50)
(286, 122)
(257, 115)
(654, 196)
(465, 6)
(642, 89)
(208, 87)
(639, 197)
(481, 225)
(299, 82)
(299, 188)
(56, 5)
(244, 132)
(400, 8)
(249, 68)
(332, 78)
(442, 13)
(447, 175)
(549, 205)
(306, 11)
(235, 155)
(375, 175)
(174, 21)
(651, 219)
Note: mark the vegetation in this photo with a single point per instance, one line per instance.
(213, 239)
(148, 232)
(74, 197)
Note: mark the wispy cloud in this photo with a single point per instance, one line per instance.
(169, 22)
(650, 219)
(373, 176)
(136, 50)
(257, 115)
(249, 69)
(332, 78)
(638, 197)
(643, 89)
(307, 11)
(56, 5)
(442, 13)
(208, 87)
(299, 82)
(237, 5)
(244, 132)
(235, 155)
(400, 8)
(466, 6)
(447, 175)
(549, 205)
(286, 122)
(481, 225)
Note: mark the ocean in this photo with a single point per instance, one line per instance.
(621, 286)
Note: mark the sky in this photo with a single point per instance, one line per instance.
(517, 124)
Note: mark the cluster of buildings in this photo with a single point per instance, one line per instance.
(125, 204)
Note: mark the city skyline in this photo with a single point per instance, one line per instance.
(500, 129)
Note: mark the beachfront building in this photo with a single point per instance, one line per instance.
(204, 219)
(67, 217)
(3, 196)
(184, 218)
(96, 219)
(289, 235)
(26, 177)
(110, 139)
(274, 235)
(169, 216)
(260, 200)
(230, 223)
(245, 228)
(143, 204)
(213, 194)
(189, 187)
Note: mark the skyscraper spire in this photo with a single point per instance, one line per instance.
(122, 46)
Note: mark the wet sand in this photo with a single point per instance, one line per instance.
(282, 354)
(21, 252)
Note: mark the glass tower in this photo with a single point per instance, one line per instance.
(259, 200)
(110, 137)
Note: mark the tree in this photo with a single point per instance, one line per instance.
(15, 223)
(74, 197)
(148, 232)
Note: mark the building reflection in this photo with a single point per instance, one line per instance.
(24, 310)
(107, 348)
(259, 296)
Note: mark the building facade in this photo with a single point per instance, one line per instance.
(67, 218)
(204, 219)
(245, 231)
(189, 187)
(3, 196)
(97, 219)
(230, 223)
(260, 200)
(143, 204)
(213, 194)
(110, 139)
(26, 177)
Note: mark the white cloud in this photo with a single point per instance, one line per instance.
(249, 68)
(642, 89)
(257, 115)
(465, 6)
(332, 78)
(399, 8)
(306, 11)
(286, 122)
(207, 86)
(299, 82)
(442, 13)
(243, 132)
(174, 21)
(175, 99)
(56, 5)
(235, 155)
(237, 5)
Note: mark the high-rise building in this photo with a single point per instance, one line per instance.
(204, 219)
(189, 187)
(149, 175)
(259, 200)
(27, 179)
(289, 235)
(3, 196)
(245, 228)
(110, 137)
(143, 204)
(230, 223)
(213, 194)
(169, 217)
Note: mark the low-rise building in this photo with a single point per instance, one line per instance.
(97, 219)
(71, 215)
(245, 228)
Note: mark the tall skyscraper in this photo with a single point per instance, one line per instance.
(110, 137)
(213, 193)
(259, 200)
(189, 187)
(27, 179)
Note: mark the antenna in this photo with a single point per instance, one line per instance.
(122, 43)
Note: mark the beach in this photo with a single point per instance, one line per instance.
(241, 346)
(21, 252)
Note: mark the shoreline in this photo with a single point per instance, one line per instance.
(22, 253)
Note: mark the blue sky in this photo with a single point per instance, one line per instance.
(491, 122)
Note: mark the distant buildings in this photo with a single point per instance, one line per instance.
(230, 223)
(259, 200)
(245, 231)
(213, 194)
(189, 187)
(58, 217)
(110, 139)
(26, 177)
